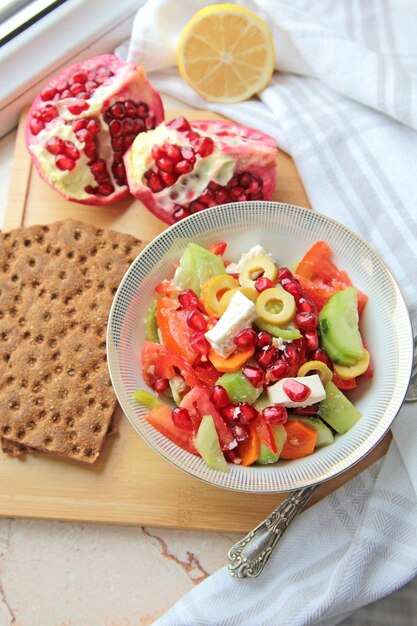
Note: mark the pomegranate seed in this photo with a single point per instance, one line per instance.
(275, 414)
(181, 213)
(160, 385)
(142, 110)
(78, 77)
(236, 191)
(263, 339)
(155, 183)
(71, 151)
(293, 287)
(105, 189)
(181, 417)
(263, 283)
(78, 125)
(118, 110)
(283, 272)
(254, 374)
(65, 163)
(197, 321)
(290, 353)
(277, 370)
(266, 356)
(296, 391)
(306, 321)
(165, 164)
(311, 410)
(248, 413)
(78, 107)
(138, 126)
(127, 125)
(76, 88)
(48, 93)
(232, 457)
(188, 154)
(98, 168)
(48, 113)
(169, 179)
(93, 126)
(199, 343)
(84, 136)
(220, 397)
(115, 128)
(90, 189)
(197, 206)
(221, 196)
(245, 338)
(321, 355)
(90, 87)
(245, 179)
(188, 299)
(241, 432)
(228, 412)
(204, 146)
(173, 152)
(66, 94)
(305, 306)
(130, 108)
(157, 152)
(183, 167)
(90, 151)
(180, 124)
(312, 340)
(118, 170)
(55, 145)
(193, 136)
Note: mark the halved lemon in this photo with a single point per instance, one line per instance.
(226, 53)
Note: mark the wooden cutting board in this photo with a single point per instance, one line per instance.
(130, 483)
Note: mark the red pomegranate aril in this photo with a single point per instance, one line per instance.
(155, 183)
(93, 126)
(181, 213)
(78, 125)
(245, 180)
(181, 417)
(263, 339)
(118, 110)
(188, 299)
(193, 137)
(228, 412)
(200, 344)
(90, 151)
(204, 146)
(278, 370)
(105, 189)
(308, 411)
(221, 196)
(84, 135)
(138, 126)
(197, 206)
(78, 107)
(254, 375)
(305, 306)
(48, 93)
(245, 338)
(241, 432)
(165, 164)
(77, 88)
(188, 154)
(78, 77)
(312, 340)
(248, 413)
(64, 163)
(118, 170)
(236, 191)
(266, 356)
(275, 414)
(197, 321)
(131, 108)
(180, 123)
(220, 397)
(183, 167)
(290, 353)
(48, 113)
(168, 179)
(283, 272)
(142, 110)
(306, 321)
(115, 128)
(71, 151)
(263, 283)
(173, 152)
(99, 167)
(160, 385)
(293, 287)
(321, 355)
(55, 145)
(296, 391)
(127, 125)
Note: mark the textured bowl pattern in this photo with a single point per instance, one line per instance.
(287, 231)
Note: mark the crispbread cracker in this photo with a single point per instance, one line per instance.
(56, 288)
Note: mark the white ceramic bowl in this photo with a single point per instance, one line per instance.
(287, 231)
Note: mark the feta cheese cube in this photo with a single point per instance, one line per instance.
(240, 314)
(234, 268)
(277, 395)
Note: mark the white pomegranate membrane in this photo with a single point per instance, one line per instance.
(181, 168)
(82, 123)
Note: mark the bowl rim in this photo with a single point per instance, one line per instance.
(406, 364)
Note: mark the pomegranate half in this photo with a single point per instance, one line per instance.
(181, 168)
(82, 123)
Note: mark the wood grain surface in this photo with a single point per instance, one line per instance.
(130, 483)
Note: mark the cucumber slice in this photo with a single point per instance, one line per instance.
(238, 388)
(146, 398)
(151, 326)
(266, 455)
(208, 445)
(197, 266)
(337, 410)
(339, 327)
(288, 333)
(324, 434)
(177, 386)
(262, 402)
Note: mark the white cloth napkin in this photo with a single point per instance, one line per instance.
(343, 103)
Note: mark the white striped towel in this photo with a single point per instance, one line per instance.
(343, 103)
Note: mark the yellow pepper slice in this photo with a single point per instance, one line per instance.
(256, 267)
(347, 372)
(250, 293)
(213, 290)
(270, 301)
(321, 368)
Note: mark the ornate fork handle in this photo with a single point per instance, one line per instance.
(248, 557)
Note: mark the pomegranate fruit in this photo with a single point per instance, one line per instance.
(82, 123)
(181, 168)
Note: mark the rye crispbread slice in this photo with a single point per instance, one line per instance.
(56, 288)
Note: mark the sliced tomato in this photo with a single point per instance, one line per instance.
(207, 374)
(160, 418)
(172, 322)
(167, 288)
(198, 403)
(265, 434)
(218, 248)
(165, 368)
(149, 356)
(344, 384)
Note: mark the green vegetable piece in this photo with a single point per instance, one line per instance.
(266, 455)
(262, 402)
(324, 434)
(197, 266)
(238, 388)
(177, 386)
(146, 398)
(337, 411)
(208, 445)
(288, 333)
(339, 327)
(151, 326)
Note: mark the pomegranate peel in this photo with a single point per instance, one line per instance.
(83, 121)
